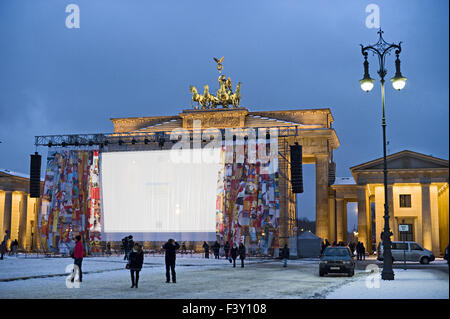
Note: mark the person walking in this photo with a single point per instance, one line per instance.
(108, 248)
(226, 248)
(78, 254)
(242, 253)
(171, 249)
(135, 264)
(358, 251)
(183, 248)
(206, 248)
(285, 254)
(2, 249)
(216, 249)
(14, 247)
(322, 247)
(130, 245)
(233, 254)
(125, 247)
(363, 252)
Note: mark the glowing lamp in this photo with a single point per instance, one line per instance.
(367, 81)
(398, 81)
(366, 84)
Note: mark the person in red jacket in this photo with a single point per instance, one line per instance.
(78, 254)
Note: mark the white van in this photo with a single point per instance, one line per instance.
(409, 250)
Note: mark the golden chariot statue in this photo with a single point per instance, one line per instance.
(224, 95)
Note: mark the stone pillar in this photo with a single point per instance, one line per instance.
(332, 216)
(391, 210)
(362, 216)
(22, 220)
(322, 197)
(340, 219)
(5, 208)
(15, 214)
(345, 224)
(30, 222)
(426, 217)
(2, 213)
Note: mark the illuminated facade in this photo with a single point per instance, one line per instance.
(18, 211)
(417, 196)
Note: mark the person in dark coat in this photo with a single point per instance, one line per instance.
(363, 252)
(359, 251)
(125, 247)
(14, 247)
(206, 248)
(78, 254)
(130, 245)
(135, 263)
(2, 249)
(171, 250)
(242, 254)
(226, 248)
(233, 254)
(285, 254)
(183, 248)
(108, 248)
(446, 255)
(216, 249)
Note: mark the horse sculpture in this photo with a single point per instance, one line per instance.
(236, 96)
(224, 95)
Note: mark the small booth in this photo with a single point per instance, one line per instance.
(308, 245)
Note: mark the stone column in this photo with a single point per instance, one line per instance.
(15, 215)
(362, 216)
(332, 215)
(426, 217)
(6, 210)
(339, 219)
(22, 220)
(322, 197)
(2, 213)
(30, 222)
(391, 210)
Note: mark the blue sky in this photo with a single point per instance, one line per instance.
(138, 58)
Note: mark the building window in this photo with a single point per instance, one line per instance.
(405, 200)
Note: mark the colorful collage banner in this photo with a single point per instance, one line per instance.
(247, 207)
(70, 200)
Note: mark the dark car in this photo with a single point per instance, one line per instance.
(336, 260)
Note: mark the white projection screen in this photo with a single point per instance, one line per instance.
(148, 195)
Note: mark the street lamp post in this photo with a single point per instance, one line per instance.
(381, 49)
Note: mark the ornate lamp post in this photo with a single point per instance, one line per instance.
(381, 49)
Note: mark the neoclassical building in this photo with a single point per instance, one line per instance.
(418, 196)
(18, 211)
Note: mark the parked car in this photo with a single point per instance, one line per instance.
(407, 250)
(336, 260)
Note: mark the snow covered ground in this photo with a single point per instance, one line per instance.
(407, 284)
(106, 277)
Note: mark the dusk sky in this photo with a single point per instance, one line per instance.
(137, 58)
